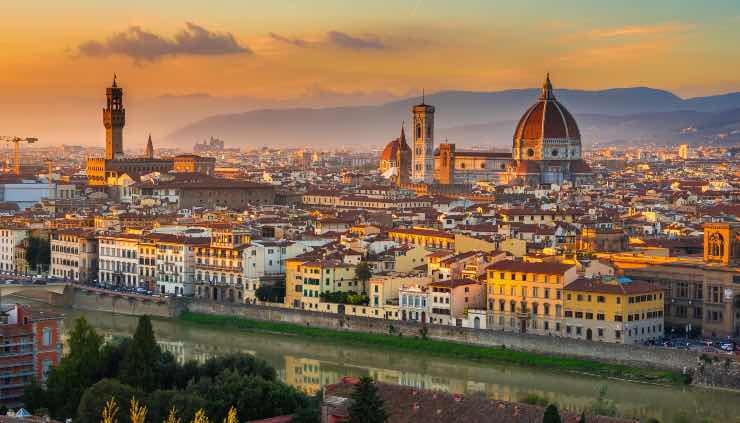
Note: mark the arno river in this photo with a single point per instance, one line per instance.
(308, 365)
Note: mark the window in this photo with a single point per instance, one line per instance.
(600, 299)
(47, 337)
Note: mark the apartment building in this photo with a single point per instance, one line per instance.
(175, 262)
(617, 310)
(74, 255)
(219, 271)
(527, 297)
(118, 259)
(307, 280)
(148, 263)
(449, 300)
(10, 238)
(32, 346)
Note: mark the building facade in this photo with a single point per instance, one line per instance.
(527, 297)
(33, 345)
(616, 310)
(74, 255)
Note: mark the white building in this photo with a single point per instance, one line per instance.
(175, 262)
(9, 239)
(74, 255)
(118, 259)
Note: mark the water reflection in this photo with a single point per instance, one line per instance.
(308, 365)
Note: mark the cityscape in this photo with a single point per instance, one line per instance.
(481, 242)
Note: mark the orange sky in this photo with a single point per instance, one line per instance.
(58, 54)
(475, 45)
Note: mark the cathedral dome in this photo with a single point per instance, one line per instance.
(547, 130)
(391, 149)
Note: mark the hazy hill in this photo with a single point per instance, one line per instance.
(467, 118)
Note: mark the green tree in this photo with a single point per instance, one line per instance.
(140, 366)
(160, 403)
(273, 293)
(95, 397)
(80, 368)
(551, 415)
(253, 397)
(35, 397)
(363, 273)
(367, 405)
(38, 252)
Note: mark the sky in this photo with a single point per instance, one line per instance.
(56, 52)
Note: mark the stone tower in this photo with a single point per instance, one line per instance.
(114, 118)
(149, 148)
(423, 152)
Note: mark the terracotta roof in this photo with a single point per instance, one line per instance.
(629, 288)
(549, 268)
(454, 283)
(547, 119)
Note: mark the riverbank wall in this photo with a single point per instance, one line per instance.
(133, 305)
(629, 355)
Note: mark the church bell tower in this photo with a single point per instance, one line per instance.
(114, 118)
(423, 152)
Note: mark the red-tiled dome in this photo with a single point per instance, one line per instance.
(391, 149)
(547, 119)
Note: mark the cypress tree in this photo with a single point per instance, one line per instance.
(367, 406)
(551, 415)
(140, 364)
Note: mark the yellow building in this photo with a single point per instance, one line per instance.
(527, 296)
(307, 280)
(430, 238)
(613, 310)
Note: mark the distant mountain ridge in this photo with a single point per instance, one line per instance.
(481, 118)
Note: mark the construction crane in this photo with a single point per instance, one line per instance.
(17, 141)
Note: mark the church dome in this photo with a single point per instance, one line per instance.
(391, 149)
(546, 122)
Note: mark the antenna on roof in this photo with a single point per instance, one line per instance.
(422, 96)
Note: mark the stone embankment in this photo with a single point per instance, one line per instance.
(629, 355)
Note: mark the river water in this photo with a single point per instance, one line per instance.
(308, 365)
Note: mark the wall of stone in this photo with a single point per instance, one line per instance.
(90, 300)
(660, 358)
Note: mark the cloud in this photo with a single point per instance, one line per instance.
(344, 40)
(333, 38)
(298, 42)
(142, 45)
(638, 30)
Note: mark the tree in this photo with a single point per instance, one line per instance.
(161, 402)
(141, 363)
(76, 371)
(583, 418)
(551, 415)
(95, 398)
(367, 406)
(272, 293)
(254, 397)
(363, 273)
(38, 252)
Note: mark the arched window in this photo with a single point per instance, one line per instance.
(418, 131)
(716, 245)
